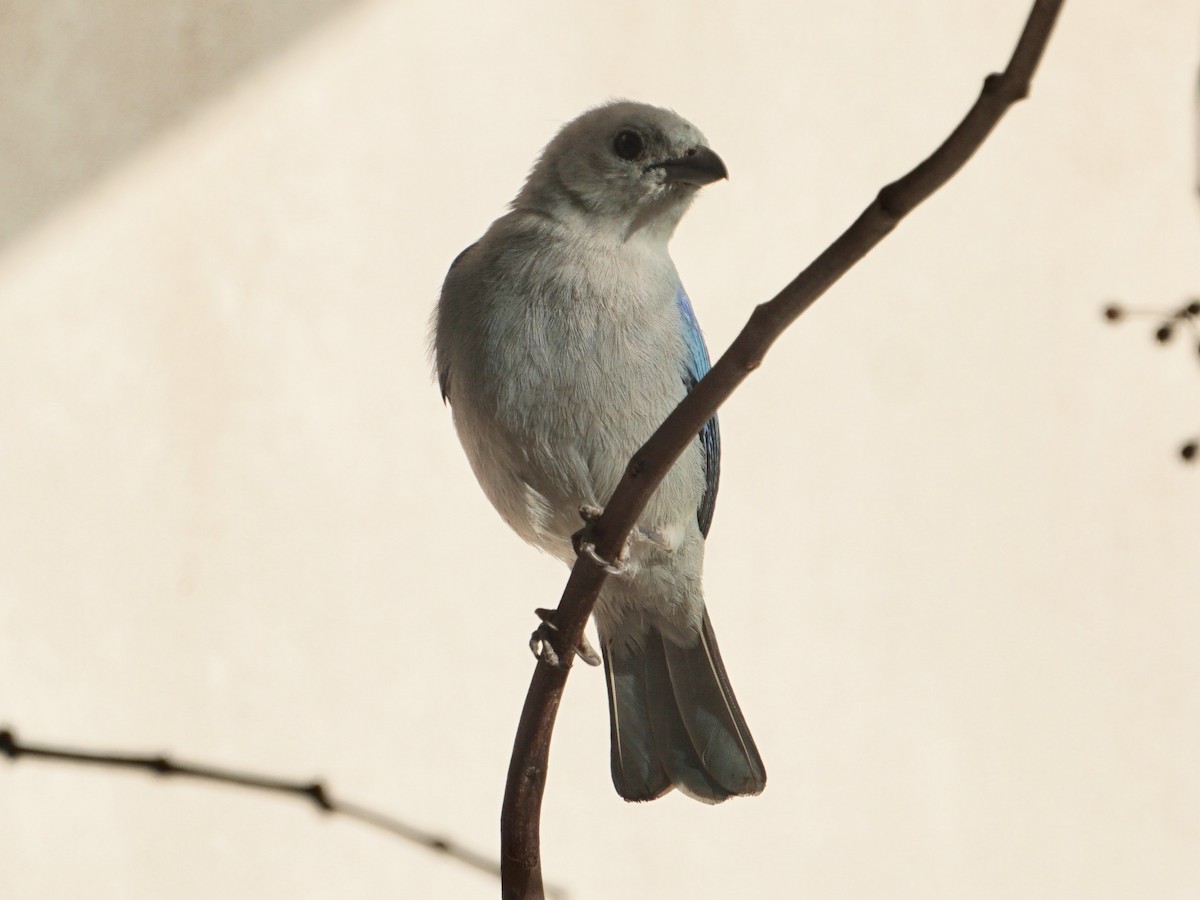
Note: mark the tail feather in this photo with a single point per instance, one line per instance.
(712, 716)
(675, 721)
(637, 771)
(671, 731)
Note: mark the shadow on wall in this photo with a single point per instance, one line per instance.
(83, 84)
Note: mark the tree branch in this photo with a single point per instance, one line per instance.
(1170, 322)
(313, 791)
(519, 821)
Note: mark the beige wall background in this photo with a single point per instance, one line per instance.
(953, 566)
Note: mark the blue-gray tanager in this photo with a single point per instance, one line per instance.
(562, 339)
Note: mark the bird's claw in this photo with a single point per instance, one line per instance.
(588, 549)
(585, 547)
(542, 646)
(590, 514)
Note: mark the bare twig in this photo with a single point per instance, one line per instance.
(1169, 322)
(313, 791)
(519, 826)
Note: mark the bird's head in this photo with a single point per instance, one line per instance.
(622, 167)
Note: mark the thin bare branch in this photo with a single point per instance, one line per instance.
(519, 824)
(312, 791)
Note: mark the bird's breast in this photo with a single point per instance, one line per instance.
(576, 357)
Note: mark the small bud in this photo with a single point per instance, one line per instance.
(1113, 312)
(1163, 334)
(1188, 451)
(1193, 308)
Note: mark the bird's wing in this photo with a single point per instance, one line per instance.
(444, 371)
(696, 365)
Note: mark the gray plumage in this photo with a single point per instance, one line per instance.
(562, 339)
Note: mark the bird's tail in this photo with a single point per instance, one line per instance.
(675, 721)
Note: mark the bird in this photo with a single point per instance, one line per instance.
(562, 338)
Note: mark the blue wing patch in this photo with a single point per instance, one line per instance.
(696, 365)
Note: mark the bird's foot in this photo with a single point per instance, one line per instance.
(621, 566)
(585, 546)
(543, 647)
(590, 514)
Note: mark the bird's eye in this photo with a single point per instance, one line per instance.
(628, 144)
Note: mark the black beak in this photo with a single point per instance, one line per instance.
(699, 166)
